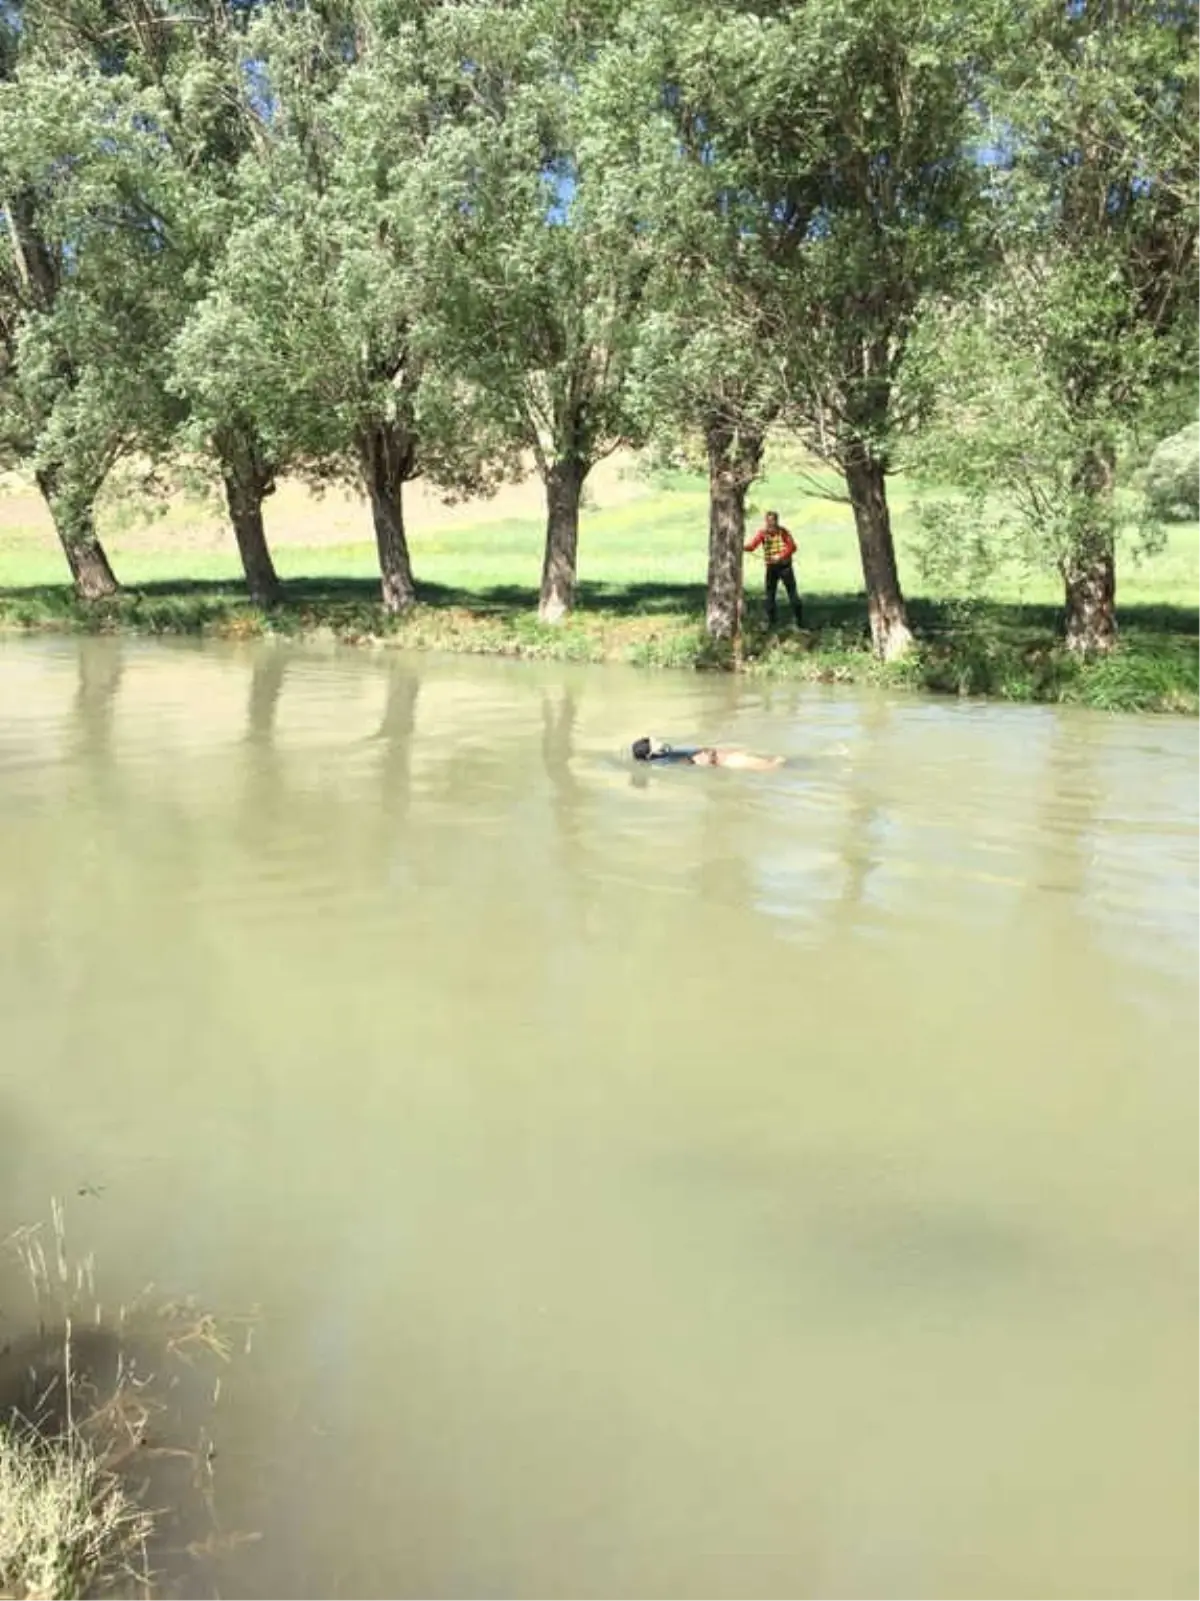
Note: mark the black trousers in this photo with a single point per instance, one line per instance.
(780, 572)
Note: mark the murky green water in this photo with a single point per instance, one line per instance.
(676, 1183)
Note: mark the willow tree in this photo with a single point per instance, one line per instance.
(319, 324)
(209, 121)
(85, 293)
(1079, 351)
(543, 299)
(706, 393)
(180, 82)
(214, 124)
(704, 386)
(888, 139)
(833, 138)
(1103, 111)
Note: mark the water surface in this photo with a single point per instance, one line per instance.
(675, 1183)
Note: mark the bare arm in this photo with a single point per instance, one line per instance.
(747, 761)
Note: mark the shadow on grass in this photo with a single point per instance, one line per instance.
(648, 599)
(982, 648)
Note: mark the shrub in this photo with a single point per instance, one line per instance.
(1173, 476)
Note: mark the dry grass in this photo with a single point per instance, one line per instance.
(299, 516)
(68, 1526)
(89, 1436)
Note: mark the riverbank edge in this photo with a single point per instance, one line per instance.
(990, 651)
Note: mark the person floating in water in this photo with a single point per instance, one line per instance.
(654, 750)
(778, 548)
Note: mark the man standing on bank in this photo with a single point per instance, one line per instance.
(778, 548)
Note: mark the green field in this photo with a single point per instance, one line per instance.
(641, 567)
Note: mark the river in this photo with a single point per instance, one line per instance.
(681, 1182)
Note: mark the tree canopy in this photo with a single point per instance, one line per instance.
(377, 239)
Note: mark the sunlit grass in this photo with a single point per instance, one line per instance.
(68, 1526)
(643, 557)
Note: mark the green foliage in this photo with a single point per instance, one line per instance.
(814, 182)
(1041, 389)
(700, 359)
(86, 293)
(1002, 432)
(1172, 480)
(547, 228)
(818, 185)
(539, 252)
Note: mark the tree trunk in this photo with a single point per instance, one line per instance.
(891, 636)
(387, 455)
(1091, 591)
(74, 522)
(71, 505)
(248, 481)
(1089, 567)
(734, 457)
(564, 490)
(245, 513)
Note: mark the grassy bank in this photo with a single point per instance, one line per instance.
(105, 1459)
(641, 593)
(1009, 651)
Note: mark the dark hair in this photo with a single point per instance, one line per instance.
(774, 514)
(641, 750)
